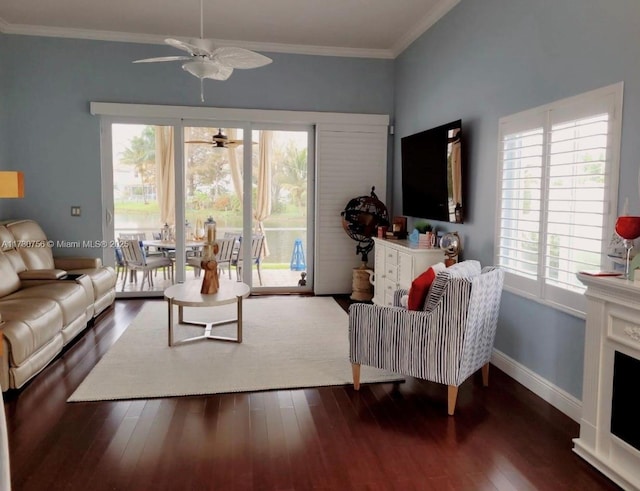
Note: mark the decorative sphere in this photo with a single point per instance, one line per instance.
(362, 216)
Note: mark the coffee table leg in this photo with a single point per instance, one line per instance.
(239, 321)
(170, 302)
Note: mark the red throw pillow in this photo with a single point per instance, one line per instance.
(419, 289)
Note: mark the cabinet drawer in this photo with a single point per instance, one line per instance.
(390, 286)
(391, 272)
(390, 256)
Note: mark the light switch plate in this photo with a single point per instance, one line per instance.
(75, 211)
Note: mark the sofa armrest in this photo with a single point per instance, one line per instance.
(70, 263)
(41, 274)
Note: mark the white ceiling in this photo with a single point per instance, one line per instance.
(366, 28)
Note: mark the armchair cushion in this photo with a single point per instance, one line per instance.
(420, 287)
(462, 270)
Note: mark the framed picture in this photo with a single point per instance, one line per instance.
(399, 226)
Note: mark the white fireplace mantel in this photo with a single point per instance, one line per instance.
(613, 324)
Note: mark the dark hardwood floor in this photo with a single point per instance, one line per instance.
(384, 437)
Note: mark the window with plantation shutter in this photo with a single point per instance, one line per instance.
(557, 182)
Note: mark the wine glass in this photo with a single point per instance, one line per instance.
(628, 228)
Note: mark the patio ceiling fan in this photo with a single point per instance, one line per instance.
(207, 61)
(219, 140)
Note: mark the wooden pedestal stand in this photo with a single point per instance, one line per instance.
(362, 287)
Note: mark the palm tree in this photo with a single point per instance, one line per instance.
(141, 154)
(294, 174)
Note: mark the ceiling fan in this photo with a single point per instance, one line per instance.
(207, 61)
(219, 140)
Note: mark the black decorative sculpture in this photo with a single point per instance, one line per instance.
(361, 218)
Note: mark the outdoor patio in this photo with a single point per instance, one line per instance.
(271, 278)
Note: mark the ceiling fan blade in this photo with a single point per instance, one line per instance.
(191, 48)
(220, 72)
(240, 58)
(163, 58)
(199, 141)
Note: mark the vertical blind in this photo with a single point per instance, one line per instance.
(557, 175)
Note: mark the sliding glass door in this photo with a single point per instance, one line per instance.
(164, 182)
(281, 195)
(213, 192)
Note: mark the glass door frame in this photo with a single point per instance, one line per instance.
(179, 124)
(108, 202)
(246, 188)
(310, 235)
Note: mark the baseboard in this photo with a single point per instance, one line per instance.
(558, 398)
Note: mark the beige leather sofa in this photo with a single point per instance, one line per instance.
(44, 301)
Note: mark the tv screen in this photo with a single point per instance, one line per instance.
(432, 167)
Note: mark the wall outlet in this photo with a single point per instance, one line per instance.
(75, 211)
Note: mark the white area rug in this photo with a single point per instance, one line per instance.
(288, 342)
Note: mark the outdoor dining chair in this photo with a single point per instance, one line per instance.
(257, 245)
(136, 260)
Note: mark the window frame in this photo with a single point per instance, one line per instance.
(606, 99)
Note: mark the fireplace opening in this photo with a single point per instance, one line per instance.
(624, 409)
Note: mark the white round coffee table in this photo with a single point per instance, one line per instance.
(188, 294)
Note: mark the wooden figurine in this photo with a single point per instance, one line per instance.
(210, 282)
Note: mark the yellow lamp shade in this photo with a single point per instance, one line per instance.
(11, 184)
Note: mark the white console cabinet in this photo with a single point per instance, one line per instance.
(397, 264)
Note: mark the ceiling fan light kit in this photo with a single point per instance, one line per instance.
(206, 61)
(219, 140)
(203, 69)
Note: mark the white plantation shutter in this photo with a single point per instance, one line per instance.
(521, 204)
(350, 159)
(558, 179)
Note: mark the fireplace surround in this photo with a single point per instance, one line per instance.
(610, 427)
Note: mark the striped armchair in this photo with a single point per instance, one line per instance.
(446, 343)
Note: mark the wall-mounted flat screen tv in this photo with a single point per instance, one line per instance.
(432, 174)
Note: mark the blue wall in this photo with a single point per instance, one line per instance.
(489, 59)
(3, 102)
(49, 82)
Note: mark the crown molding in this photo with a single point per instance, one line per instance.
(442, 8)
(127, 37)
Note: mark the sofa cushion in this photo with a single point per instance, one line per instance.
(6, 239)
(69, 295)
(9, 281)
(32, 243)
(29, 325)
(8, 246)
